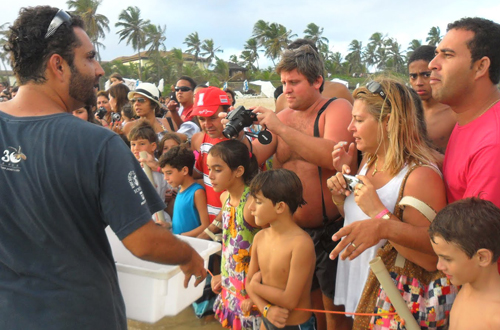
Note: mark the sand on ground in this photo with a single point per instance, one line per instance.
(247, 102)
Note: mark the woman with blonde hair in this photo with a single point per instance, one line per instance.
(395, 156)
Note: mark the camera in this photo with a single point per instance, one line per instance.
(101, 112)
(115, 116)
(351, 181)
(238, 119)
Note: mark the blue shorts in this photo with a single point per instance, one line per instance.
(308, 325)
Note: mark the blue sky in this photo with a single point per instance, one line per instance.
(230, 23)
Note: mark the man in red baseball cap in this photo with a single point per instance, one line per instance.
(208, 103)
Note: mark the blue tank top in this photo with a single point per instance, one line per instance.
(186, 217)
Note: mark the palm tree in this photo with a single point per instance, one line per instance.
(414, 44)
(314, 33)
(221, 69)
(95, 24)
(259, 32)
(434, 36)
(396, 57)
(248, 59)
(370, 55)
(355, 57)
(377, 40)
(194, 43)
(4, 55)
(252, 47)
(155, 38)
(277, 38)
(210, 50)
(324, 52)
(177, 59)
(233, 59)
(133, 30)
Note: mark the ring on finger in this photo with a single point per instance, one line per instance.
(354, 245)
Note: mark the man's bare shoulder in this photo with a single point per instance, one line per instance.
(338, 90)
(440, 108)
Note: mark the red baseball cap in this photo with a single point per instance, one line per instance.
(208, 100)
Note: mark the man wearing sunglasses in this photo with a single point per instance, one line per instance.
(62, 181)
(181, 111)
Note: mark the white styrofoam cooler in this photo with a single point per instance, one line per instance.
(152, 291)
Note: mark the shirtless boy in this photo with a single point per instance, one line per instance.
(465, 235)
(282, 262)
(439, 118)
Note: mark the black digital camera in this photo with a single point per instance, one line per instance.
(101, 112)
(238, 119)
(115, 116)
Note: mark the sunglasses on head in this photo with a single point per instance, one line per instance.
(183, 89)
(139, 99)
(59, 19)
(376, 88)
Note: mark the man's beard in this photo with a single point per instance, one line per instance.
(81, 87)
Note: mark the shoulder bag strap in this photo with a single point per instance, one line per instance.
(316, 134)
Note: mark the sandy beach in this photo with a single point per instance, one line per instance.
(267, 102)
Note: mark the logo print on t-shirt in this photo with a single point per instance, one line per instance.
(11, 159)
(134, 184)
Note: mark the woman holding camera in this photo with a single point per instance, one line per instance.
(385, 127)
(103, 112)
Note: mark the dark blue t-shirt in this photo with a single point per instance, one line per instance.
(62, 181)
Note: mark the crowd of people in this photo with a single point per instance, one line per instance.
(403, 170)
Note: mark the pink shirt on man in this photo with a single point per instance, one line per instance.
(472, 160)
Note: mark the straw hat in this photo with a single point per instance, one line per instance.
(148, 90)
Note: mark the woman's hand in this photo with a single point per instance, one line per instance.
(342, 157)
(365, 195)
(216, 284)
(116, 127)
(337, 184)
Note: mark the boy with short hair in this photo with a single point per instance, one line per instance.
(465, 236)
(190, 208)
(142, 137)
(283, 258)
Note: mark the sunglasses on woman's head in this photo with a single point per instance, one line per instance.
(139, 99)
(183, 89)
(376, 88)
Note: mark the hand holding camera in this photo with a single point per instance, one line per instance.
(240, 118)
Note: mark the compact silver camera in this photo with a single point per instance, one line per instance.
(351, 181)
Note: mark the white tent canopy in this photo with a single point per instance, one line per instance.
(267, 89)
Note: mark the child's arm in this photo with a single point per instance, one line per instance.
(301, 265)
(200, 202)
(276, 315)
